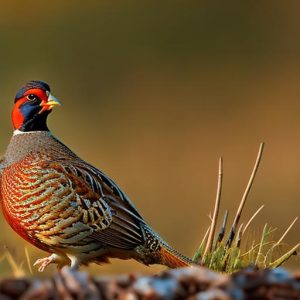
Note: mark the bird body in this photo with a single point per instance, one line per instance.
(62, 204)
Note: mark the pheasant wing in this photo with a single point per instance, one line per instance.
(114, 219)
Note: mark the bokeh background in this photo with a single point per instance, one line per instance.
(154, 92)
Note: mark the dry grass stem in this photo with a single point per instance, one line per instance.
(198, 253)
(251, 219)
(245, 195)
(17, 270)
(216, 210)
(286, 232)
(28, 260)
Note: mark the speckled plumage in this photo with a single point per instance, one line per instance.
(65, 206)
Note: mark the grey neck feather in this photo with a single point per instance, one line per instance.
(24, 143)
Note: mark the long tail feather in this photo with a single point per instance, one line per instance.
(173, 259)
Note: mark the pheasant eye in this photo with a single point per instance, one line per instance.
(31, 97)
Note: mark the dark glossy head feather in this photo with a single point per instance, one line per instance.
(33, 84)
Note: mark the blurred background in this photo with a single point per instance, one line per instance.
(154, 92)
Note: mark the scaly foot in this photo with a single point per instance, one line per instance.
(44, 262)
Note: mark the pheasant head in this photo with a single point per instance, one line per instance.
(33, 103)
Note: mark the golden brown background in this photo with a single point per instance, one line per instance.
(154, 92)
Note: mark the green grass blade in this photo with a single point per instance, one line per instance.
(278, 262)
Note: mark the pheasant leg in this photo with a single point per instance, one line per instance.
(45, 261)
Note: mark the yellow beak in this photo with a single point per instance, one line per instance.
(50, 103)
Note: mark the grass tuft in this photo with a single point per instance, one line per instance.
(229, 254)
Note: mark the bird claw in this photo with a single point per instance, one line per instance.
(43, 262)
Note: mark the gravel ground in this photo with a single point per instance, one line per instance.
(186, 283)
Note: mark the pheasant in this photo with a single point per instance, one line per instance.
(62, 204)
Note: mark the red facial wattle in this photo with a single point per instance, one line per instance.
(17, 116)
